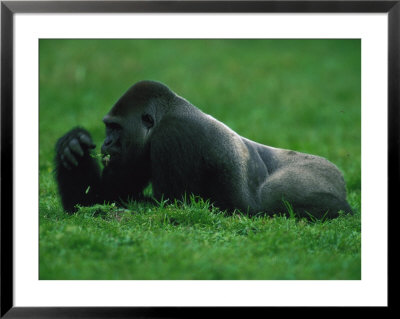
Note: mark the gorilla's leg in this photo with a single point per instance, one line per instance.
(307, 195)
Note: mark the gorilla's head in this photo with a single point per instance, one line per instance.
(131, 121)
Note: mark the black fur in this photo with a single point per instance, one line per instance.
(154, 135)
(80, 185)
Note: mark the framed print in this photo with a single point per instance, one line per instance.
(219, 107)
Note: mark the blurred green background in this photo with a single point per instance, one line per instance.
(303, 95)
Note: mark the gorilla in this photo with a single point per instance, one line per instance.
(154, 135)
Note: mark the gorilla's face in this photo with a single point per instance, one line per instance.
(127, 134)
(130, 124)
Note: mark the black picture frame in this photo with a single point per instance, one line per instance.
(9, 8)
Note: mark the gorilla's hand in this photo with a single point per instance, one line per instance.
(76, 171)
(73, 147)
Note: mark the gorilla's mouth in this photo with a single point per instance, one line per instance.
(106, 160)
(110, 158)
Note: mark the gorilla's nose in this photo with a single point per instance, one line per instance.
(104, 148)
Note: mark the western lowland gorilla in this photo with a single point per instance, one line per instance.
(154, 135)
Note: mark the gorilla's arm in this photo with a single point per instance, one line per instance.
(77, 173)
(194, 154)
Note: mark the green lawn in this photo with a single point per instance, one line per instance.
(297, 94)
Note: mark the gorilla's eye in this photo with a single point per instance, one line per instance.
(148, 120)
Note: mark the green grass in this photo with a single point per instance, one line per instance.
(297, 94)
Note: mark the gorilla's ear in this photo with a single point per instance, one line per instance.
(147, 120)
